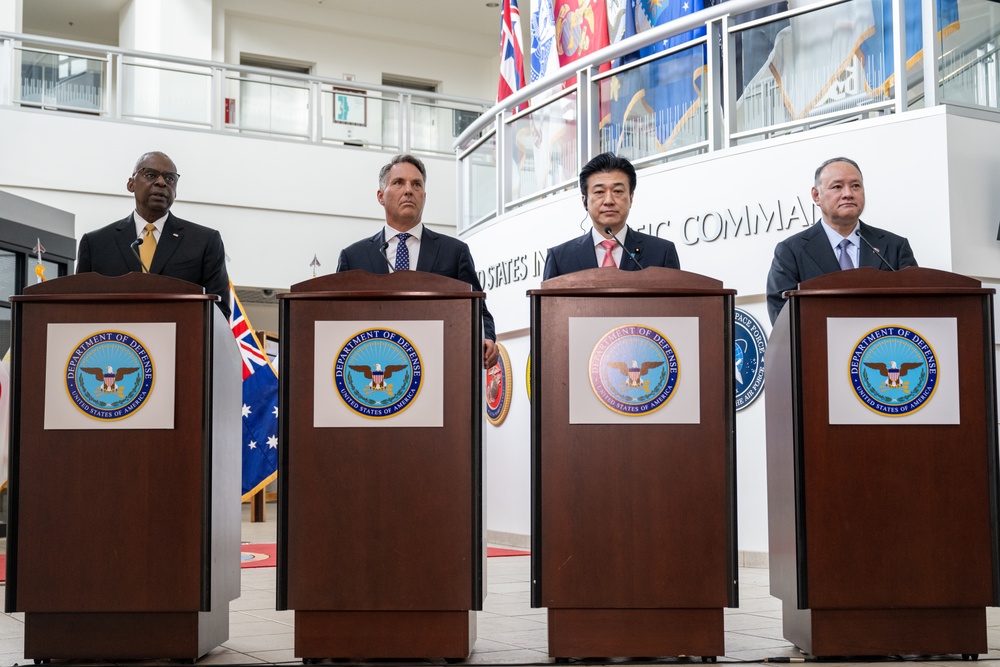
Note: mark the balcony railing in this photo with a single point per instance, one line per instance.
(748, 73)
(137, 86)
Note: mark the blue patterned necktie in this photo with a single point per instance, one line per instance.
(402, 253)
(845, 256)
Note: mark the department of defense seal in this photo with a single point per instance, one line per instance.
(378, 373)
(634, 370)
(751, 343)
(109, 375)
(498, 388)
(893, 370)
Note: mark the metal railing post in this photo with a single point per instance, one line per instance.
(8, 72)
(316, 112)
(119, 86)
(714, 82)
(504, 166)
(405, 120)
(899, 55)
(218, 101)
(932, 52)
(588, 116)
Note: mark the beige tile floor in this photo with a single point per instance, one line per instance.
(510, 631)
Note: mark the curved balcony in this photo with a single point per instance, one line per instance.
(135, 86)
(740, 72)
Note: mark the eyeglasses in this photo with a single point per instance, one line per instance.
(169, 177)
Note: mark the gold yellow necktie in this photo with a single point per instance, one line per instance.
(148, 247)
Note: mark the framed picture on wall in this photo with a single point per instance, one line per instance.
(350, 107)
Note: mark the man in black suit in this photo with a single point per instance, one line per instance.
(608, 186)
(839, 241)
(407, 244)
(170, 246)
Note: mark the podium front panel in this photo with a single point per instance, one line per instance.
(634, 515)
(891, 507)
(379, 519)
(84, 541)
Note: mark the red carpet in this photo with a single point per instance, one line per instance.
(263, 555)
(257, 555)
(493, 552)
(3, 568)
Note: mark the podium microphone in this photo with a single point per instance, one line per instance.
(135, 244)
(878, 253)
(607, 232)
(382, 248)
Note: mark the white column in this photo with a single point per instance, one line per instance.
(169, 27)
(10, 16)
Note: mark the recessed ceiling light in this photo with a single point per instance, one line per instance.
(492, 4)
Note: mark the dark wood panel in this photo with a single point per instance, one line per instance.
(889, 505)
(111, 636)
(111, 521)
(634, 515)
(867, 632)
(369, 507)
(384, 634)
(583, 633)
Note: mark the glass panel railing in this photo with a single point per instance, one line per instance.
(832, 59)
(266, 106)
(353, 118)
(970, 41)
(656, 106)
(61, 81)
(544, 147)
(173, 95)
(435, 127)
(479, 176)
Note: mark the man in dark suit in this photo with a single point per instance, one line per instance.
(839, 241)
(406, 244)
(608, 186)
(170, 246)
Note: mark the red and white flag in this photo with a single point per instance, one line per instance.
(511, 52)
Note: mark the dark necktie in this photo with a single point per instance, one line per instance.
(402, 253)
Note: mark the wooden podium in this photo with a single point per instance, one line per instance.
(380, 534)
(124, 543)
(882, 505)
(633, 523)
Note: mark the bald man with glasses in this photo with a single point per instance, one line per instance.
(170, 246)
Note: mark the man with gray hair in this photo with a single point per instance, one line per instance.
(406, 244)
(170, 246)
(839, 241)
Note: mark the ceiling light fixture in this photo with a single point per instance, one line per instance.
(492, 4)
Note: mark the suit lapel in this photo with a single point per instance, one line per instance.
(375, 257)
(632, 244)
(429, 248)
(866, 257)
(170, 239)
(818, 247)
(585, 251)
(124, 236)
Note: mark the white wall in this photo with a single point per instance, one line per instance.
(929, 175)
(341, 42)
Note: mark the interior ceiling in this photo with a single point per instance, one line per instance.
(97, 20)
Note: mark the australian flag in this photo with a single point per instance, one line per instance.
(511, 52)
(260, 405)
